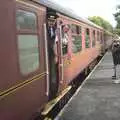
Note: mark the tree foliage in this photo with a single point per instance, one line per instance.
(117, 18)
(101, 22)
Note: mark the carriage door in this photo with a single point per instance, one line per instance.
(30, 43)
(52, 55)
(63, 46)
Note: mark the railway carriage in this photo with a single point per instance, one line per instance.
(43, 47)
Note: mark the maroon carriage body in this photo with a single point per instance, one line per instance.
(22, 91)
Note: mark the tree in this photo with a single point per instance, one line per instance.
(101, 22)
(117, 18)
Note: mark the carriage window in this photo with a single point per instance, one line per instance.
(87, 38)
(27, 42)
(80, 30)
(93, 40)
(65, 43)
(74, 28)
(77, 41)
(65, 39)
(101, 37)
(98, 35)
(28, 53)
(25, 20)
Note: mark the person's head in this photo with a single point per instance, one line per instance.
(116, 43)
(52, 22)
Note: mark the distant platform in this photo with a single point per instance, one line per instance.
(98, 98)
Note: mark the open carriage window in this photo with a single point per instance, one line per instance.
(93, 38)
(74, 29)
(98, 35)
(77, 41)
(65, 39)
(101, 37)
(26, 24)
(87, 38)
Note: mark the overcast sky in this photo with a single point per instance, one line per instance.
(85, 8)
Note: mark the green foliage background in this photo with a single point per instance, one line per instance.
(117, 18)
(101, 22)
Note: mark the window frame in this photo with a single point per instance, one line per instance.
(28, 32)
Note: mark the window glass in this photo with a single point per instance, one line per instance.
(74, 28)
(98, 35)
(65, 38)
(65, 43)
(93, 40)
(28, 53)
(101, 36)
(25, 20)
(77, 43)
(87, 39)
(80, 29)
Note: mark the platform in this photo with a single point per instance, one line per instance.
(98, 98)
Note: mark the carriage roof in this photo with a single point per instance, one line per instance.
(68, 12)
